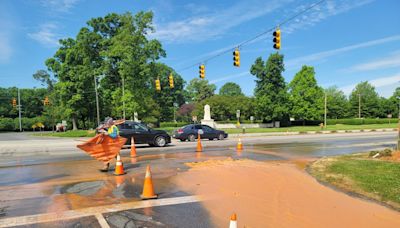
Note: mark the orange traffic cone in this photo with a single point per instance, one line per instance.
(148, 190)
(199, 147)
(239, 146)
(233, 223)
(133, 148)
(119, 167)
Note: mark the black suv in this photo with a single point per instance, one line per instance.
(143, 134)
(189, 132)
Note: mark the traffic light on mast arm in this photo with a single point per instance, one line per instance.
(236, 58)
(171, 81)
(46, 101)
(277, 39)
(158, 85)
(202, 71)
(14, 103)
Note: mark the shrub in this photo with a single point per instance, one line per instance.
(383, 153)
(173, 124)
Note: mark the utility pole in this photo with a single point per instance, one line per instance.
(359, 106)
(325, 111)
(19, 110)
(97, 101)
(123, 96)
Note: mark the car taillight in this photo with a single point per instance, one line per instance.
(180, 131)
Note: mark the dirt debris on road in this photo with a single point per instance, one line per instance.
(277, 194)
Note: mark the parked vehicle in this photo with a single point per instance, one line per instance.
(143, 134)
(190, 132)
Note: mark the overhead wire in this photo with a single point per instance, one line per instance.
(240, 45)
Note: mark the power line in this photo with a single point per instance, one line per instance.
(255, 37)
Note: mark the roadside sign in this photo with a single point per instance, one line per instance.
(200, 131)
(237, 113)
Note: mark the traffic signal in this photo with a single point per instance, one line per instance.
(46, 101)
(158, 85)
(277, 39)
(236, 58)
(202, 71)
(171, 81)
(14, 103)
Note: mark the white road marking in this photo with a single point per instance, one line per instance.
(93, 211)
(103, 223)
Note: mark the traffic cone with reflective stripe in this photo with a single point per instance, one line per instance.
(239, 146)
(119, 167)
(133, 148)
(148, 189)
(233, 223)
(199, 147)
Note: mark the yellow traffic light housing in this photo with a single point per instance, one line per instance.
(277, 39)
(236, 58)
(14, 103)
(46, 101)
(171, 81)
(202, 71)
(158, 85)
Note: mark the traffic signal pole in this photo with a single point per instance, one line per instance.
(19, 110)
(97, 101)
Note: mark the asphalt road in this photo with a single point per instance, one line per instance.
(23, 148)
(29, 194)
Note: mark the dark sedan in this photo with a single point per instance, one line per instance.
(189, 132)
(143, 134)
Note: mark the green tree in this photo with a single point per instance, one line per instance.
(45, 78)
(337, 103)
(393, 103)
(230, 89)
(114, 49)
(306, 96)
(224, 107)
(369, 98)
(200, 89)
(272, 101)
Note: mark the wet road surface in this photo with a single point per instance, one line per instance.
(73, 185)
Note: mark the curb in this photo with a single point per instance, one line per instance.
(310, 132)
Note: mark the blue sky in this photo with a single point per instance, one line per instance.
(347, 41)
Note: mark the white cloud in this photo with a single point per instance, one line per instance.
(390, 61)
(229, 77)
(320, 56)
(5, 47)
(215, 24)
(321, 12)
(46, 35)
(377, 83)
(59, 5)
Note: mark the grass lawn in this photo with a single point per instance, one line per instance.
(374, 178)
(77, 133)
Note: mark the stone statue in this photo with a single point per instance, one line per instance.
(207, 117)
(207, 114)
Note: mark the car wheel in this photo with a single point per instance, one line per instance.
(182, 140)
(160, 141)
(221, 137)
(192, 138)
(211, 139)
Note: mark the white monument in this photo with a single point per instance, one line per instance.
(207, 117)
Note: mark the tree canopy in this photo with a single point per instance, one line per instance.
(200, 89)
(306, 96)
(230, 89)
(272, 101)
(365, 97)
